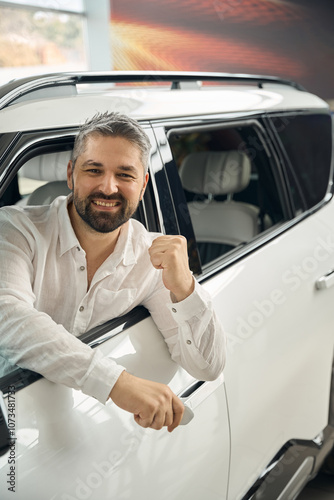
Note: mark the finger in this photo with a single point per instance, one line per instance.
(169, 417)
(158, 421)
(157, 258)
(178, 410)
(157, 250)
(163, 419)
(143, 422)
(163, 243)
(162, 240)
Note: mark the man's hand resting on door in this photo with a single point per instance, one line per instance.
(153, 404)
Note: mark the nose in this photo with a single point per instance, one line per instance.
(109, 184)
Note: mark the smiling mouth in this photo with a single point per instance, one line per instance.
(106, 204)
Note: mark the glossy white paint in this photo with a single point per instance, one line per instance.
(143, 103)
(280, 344)
(69, 446)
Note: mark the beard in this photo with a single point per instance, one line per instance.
(104, 222)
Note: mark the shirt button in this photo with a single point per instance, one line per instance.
(173, 309)
(81, 308)
(78, 248)
(188, 342)
(82, 268)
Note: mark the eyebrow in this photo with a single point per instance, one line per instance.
(92, 163)
(124, 168)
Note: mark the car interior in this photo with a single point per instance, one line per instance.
(229, 186)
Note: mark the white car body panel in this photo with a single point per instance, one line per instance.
(88, 450)
(69, 111)
(257, 313)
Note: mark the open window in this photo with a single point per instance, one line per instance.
(230, 185)
(42, 178)
(36, 176)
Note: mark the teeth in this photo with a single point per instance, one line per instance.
(104, 204)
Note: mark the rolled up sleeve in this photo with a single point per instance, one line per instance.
(192, 331)
(31, 339)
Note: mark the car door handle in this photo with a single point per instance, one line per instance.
(196, 394)
(325, 281)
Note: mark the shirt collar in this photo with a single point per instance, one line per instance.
(124, 249)
(67, 237)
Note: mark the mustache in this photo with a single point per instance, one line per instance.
(102, 196)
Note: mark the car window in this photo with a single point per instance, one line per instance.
(43, 177)
(307, 142)
(38, 182)
(229, 181)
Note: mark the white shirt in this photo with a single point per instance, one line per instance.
(45, 305)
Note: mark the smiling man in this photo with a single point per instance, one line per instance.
(70, 266)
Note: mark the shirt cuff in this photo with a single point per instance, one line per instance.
(194, 305)
(102, 377)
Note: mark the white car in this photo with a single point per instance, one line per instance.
(242, 167)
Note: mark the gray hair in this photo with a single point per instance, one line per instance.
(116, 125)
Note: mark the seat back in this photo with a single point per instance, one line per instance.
(49, 167)
(44, 195)
(216, 173)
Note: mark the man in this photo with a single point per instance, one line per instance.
(70, 266)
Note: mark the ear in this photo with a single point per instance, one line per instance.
(70, 175)
(144, 185)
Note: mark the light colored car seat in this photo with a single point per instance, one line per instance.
(44, 195)
(216, 173)
(49, 167)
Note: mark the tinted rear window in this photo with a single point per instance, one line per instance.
(307, 140)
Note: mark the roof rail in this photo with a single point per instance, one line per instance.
(19, 88)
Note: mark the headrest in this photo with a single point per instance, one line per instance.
(44, 195)
(215, 172)
(48, 167)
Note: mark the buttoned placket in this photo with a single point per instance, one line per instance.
(82, 316)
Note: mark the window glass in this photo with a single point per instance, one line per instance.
(37, 41)
(307, 140)
(68, 5)
(44, 177)
(229, 185)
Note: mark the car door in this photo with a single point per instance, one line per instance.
(273, 291)
(65, 445)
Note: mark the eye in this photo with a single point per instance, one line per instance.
(94, 171)
(126, 176)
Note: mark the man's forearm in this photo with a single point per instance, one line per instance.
(32, 340)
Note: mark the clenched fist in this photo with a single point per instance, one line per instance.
(169, 253)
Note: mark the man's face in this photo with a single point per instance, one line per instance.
(108, 182)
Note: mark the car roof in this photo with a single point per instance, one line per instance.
(68, 99)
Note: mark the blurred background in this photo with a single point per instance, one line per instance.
(292, 39)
